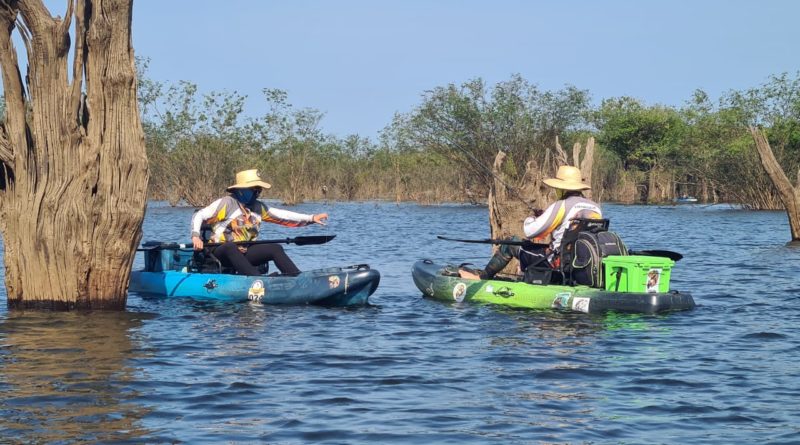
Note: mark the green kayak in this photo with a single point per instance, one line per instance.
(438, 281)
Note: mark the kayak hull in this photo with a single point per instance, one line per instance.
(335, 286)
(428, 277)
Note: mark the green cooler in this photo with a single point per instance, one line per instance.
(634, 273)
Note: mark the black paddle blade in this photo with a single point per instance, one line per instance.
(307, 240)
(674, 256)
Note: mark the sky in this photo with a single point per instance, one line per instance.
(362, 61)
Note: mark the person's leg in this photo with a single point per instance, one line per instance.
(230, 256)
(262, 253)
(499, 260)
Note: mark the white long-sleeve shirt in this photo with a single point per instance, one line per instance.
(231, 220)
(556, 218)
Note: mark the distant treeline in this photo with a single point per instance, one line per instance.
(644, 153)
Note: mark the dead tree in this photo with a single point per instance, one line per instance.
(510, 203)
(789, 194)
(74, 166)
(586, 165)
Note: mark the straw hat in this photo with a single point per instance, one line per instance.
(248, 178)
(567, 178)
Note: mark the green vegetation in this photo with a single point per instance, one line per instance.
(442, 149)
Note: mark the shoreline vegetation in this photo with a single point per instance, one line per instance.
(442, 149)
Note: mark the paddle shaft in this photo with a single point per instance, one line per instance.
(496, 241)
(299, 240)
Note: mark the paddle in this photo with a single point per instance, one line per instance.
(298, 240)
(526, 243)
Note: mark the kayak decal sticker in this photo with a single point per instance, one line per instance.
(653, 277)
(562, 300)
(333, 281)
(581, 304)
(459, 292)
(210, 285)
(256, 291)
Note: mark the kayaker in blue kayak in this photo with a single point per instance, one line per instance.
(237, 218)
(554, 220)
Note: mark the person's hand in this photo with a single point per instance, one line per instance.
(320, 218)
(197, 243)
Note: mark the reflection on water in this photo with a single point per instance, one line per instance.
(412, 370)
(65, 375)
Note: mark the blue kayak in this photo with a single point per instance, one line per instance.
(171, 273)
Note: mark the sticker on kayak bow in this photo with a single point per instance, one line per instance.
(580, 304)
(210, 285)
(256, 291)
(333, 281)
(653, 277)
(562, 300)
(459, 292)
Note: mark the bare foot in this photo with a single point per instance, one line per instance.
(468, 275)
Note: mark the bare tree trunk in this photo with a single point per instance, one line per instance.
(587, 164)
(560, 154)
(509, 208)
(73, 156)
(789, 194)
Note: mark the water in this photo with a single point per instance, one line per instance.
(411, 370)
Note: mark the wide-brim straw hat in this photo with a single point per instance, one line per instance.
(248, 178)
(567, 178)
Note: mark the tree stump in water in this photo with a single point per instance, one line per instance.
(72, 154)
(509, 205)
(789, 194)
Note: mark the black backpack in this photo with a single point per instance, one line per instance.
(583, 247)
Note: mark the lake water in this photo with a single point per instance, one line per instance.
(412, 370)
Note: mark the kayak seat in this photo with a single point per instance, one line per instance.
(205, 262)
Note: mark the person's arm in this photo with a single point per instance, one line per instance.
(543, 225)
(210, 212)
(289, 218)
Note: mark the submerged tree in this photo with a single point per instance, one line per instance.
(789, 193)
(74, 168)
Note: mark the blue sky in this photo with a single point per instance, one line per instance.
(361, 61)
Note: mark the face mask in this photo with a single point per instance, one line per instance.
(245, 196)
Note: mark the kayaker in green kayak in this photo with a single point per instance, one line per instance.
(237, 218)
(554, 221)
